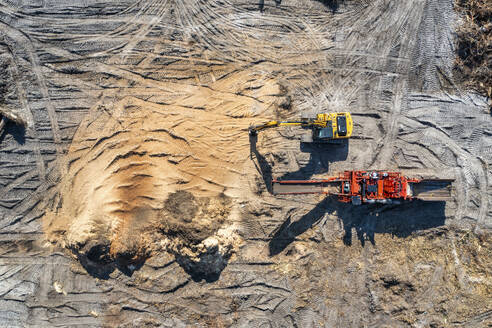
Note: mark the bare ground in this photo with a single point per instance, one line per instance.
(129, 102)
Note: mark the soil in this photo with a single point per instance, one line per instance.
(134, 196)
(193, 219)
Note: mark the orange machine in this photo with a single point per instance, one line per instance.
(360, 187)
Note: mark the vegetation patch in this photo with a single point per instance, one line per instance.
(474, 45)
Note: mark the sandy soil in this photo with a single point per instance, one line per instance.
(124, 172)
(133, 197)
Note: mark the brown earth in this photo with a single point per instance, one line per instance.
(474, 45)
(148, 167)
(133, 196)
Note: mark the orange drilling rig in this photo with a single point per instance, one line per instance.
(361, 187)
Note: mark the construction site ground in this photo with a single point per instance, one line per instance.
(133, 195)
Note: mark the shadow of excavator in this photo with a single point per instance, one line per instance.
(320, 157)
(366, 220)
(17, 131)
(261, 4)
(331, 4)
(262, 165)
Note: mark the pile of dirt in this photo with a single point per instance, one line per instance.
(194, 229)
(121, 200)
(146, 178)
(194, 232)
(138, 107)
(474, 45)
(193, 219)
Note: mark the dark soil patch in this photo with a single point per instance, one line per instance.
(191, 218)
(182, 204)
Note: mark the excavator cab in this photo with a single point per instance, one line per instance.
(342, 125)
(325, 127)
(335, 128)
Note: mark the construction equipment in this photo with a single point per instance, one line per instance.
(325, 127)
(360, 187)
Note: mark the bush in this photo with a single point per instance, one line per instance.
(474, 45)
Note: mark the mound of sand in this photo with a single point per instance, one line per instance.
(143, 178)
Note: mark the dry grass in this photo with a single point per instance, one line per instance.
(474, 48)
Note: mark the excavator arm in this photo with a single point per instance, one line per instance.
(254, 129)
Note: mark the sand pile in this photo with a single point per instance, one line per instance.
(197, 239)
(143, 178)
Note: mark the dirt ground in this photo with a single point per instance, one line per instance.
(133, 195)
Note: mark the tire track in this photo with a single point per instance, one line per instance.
(31, 128)
(409, 40)
(157, 11)
(24, 40)
(470, 162)
(353, 58)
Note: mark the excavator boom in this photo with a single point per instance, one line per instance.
(273, 124)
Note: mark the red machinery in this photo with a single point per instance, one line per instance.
(369, 187)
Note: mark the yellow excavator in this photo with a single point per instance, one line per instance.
(326, 127)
